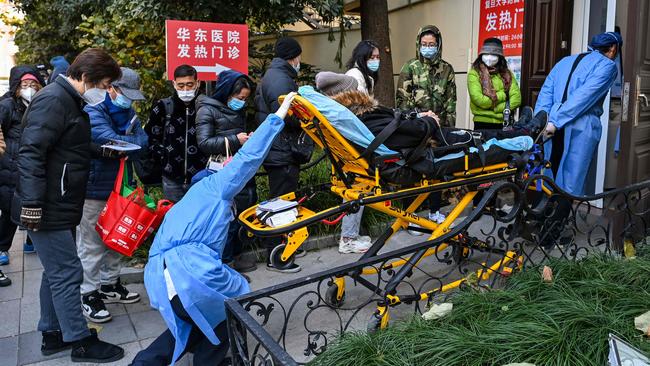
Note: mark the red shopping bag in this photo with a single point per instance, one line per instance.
(126, 221)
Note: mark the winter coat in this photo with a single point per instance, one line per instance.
(216, 123)
(104, 119)
(407, 136)
(361, 81)
(278, 80)
(54, 157)
(482, 106)
(578, 116)
(428, 84)
(12, 110)
(190, 243)
(167, 143)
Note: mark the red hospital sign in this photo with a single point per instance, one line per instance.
(503, 19)
(209, 47)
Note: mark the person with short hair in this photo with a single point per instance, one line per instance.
(574, 118)
(113, 119)
(292, 147)
(172, 134)
(53, 164)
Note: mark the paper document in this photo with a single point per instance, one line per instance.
(120, 145)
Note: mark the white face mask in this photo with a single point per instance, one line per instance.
(186, 95)
(296, 67)
(490, 60)
(27, 94)
(93, 96)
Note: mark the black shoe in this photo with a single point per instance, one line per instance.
(94, 308)
(535, 126)
(525, 115)
(91, 349)
(4, 280)
(243, 264)
(53, 343)
(117, 293)
(293, 268)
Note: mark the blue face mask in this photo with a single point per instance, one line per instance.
(429, 52)
(373, 65)
(236, 104)
(122, 102)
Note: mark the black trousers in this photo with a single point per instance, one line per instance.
(7, 231)
(161, 351)
(282, 180)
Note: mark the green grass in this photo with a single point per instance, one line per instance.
(565, 322)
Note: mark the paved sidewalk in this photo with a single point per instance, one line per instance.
(133, 326)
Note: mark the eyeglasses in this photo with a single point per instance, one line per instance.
(429, 44)
(29, 84)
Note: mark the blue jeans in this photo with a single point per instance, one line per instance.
(60, 293)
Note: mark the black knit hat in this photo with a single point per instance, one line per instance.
(287, 48)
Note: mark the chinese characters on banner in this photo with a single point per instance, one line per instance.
(504, 19)
(209, 47)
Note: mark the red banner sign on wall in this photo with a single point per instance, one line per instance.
(209, 47)
(503, 19)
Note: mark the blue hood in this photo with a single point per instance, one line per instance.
(60, 62)
(225, 84)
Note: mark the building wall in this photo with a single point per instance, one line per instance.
(457, 20)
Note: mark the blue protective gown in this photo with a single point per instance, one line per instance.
(191, 239)
(579, 116)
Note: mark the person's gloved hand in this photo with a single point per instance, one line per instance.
(550, 130)
(112, 154)
(30, 217)
(286, 104)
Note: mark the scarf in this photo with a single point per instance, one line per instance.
(485, 74)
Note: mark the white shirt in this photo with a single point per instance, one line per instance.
(361, 81)
(171, 290)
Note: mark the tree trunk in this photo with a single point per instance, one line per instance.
(374, 26)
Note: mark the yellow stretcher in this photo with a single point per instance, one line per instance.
(357, 180)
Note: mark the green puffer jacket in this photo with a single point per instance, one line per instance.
(481, 105)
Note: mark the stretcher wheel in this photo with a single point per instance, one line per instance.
(331, 296)
(276, 258)
(374, 323)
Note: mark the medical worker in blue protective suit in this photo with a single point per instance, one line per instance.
(576, 121)
(185, 278)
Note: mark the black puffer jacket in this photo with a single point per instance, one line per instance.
(215, 123)
(278, 80)
(12, 109)
(54, 157)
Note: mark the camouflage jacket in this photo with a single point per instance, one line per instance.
(428, 86)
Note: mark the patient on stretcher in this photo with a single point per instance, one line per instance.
(381, 131)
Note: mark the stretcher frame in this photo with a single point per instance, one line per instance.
(357, 181)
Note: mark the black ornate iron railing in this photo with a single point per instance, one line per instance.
(293, 322)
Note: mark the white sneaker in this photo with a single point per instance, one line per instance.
(347, 246)
(365, 239)
(438, 217)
